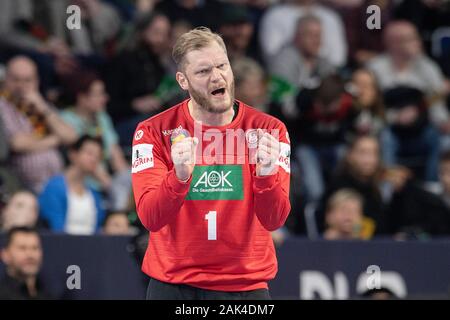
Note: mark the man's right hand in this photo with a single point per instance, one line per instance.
(183, 156)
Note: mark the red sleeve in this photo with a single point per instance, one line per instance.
(158, 193)
(272, 205)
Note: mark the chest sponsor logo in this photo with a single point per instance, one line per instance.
(219, 182)
(142, 157)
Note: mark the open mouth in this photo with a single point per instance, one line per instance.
(218, 92)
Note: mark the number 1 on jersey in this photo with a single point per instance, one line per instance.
(212, 225)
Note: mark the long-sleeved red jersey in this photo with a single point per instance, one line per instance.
(211, 232)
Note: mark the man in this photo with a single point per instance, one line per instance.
(33, 128)
(301, 63)
(209, 211)
(237, 30)
(251, 83)
(405, 64)
(22, 256)
(278, 26)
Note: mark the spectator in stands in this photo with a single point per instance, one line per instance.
(88, 117)
(418, 213)
(361, 170)
(278, 28)
(22, 210)
(67, 203)
(22, 255)
(410, 139)
(405, 64)
(117, 224)
(426, 15)
(32, 127)
(134, 76)
(251, 83)
(237, 31)
(320, 132)
(41, 26)
(301, 63)
(100, 23)
(39, 29)
(344, 216)
(367, 115)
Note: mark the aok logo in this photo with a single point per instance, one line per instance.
(219, 182)
(214, 179)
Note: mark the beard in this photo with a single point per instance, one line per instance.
(207, 105)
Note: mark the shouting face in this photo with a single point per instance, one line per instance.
(208, 78)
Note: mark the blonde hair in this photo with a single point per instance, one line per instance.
(341, 196)
(195, 39)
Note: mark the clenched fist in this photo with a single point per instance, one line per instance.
(268, 152)
(183, 157)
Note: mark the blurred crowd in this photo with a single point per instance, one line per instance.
(367, 109)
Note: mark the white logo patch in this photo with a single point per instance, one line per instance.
(284, 158)
(139, 134)
(252, 138)
(142, 157)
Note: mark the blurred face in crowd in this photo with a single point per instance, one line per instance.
(346, 218)
(87, 158)
(21, 76)
(444, 175)
(117, 224)
(157, 35)
(238, 35)
(365, 86)
(252, 90)
(309, 38)
(208, 77)
(23, 256)
(178, 28)
(364, 157)
(402, 41)
(20, 211)
(95, 99)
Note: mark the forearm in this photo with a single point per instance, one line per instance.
(103, 177)
(272, 204)
(28, 143)
(160, 206)
(65, 132)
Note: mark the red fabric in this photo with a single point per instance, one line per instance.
(243, 256)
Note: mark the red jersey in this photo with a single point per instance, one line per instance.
(213, 231)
